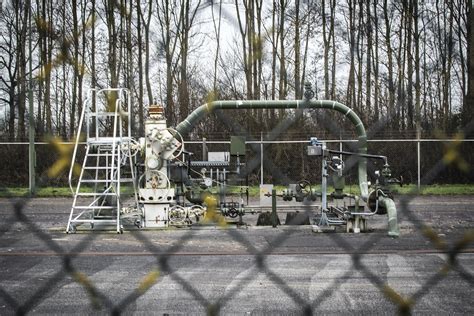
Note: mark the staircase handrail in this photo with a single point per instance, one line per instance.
(78, 137)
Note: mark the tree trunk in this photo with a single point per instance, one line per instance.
(376, 58)
(408, 48)
(326, 41)
(217, 30)
(417, 68)
(147, 53)
(21, 25)
(283, 78)
(333, 66)
(350, 94)
(141, 111)
(298, 90)
(391, 83)
(368, 78)
(468, 106)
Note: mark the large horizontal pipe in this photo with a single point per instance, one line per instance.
(197, 115)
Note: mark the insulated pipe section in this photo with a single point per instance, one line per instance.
(392, 215)
(197, 115)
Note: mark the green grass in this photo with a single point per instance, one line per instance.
(40, 192)
(435, 189)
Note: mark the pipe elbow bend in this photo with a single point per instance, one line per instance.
(389, 204)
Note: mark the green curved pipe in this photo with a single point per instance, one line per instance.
(389, 205)
(197, 115)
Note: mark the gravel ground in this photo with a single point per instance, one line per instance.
(238, 270)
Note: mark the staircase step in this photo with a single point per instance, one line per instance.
(98, 181)
(95, 194)
(84, 207)
(107, 140)
(100, 155)
(95, 221)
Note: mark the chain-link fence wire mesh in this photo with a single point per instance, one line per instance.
(98, 298)
(101, 299)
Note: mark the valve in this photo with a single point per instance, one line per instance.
(336, 164)
(303, 190)
(287, 194)
(232, 209)
(232, 212)
(399, 181)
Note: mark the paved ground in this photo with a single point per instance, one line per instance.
(204, 267)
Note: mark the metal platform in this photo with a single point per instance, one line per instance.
(108, 162)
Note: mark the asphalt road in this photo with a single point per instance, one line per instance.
(248, 270)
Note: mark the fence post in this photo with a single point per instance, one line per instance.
(418, 153)
(204, 149)
(31, 130)
(261, 158)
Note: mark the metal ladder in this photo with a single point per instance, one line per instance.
(108, 163)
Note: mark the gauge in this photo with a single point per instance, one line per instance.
(153, 162)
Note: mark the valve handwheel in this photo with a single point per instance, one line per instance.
(232, 212)
(155, 174)
(130, 148)
(304, 186)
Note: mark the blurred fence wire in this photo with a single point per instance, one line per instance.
(101, 299)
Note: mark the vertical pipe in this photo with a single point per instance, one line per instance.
(261, 158)
(324, 175)
(94, 110)
(340, 149)
(274, 208)
(31, 131)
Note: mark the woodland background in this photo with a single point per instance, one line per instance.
(406, 67)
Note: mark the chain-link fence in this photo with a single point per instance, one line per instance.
(18, 223)
(43, 270)
(420, 157)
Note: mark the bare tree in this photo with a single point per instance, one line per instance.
(468, 106)
(8, 65)
(169, 40)
(388, 44)
(187, 16)
(146, 20)
(327, 40)
(246, 33)
(217, 30)
(350, 92)
(283, 83)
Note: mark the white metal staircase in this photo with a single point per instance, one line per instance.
(108, 166)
